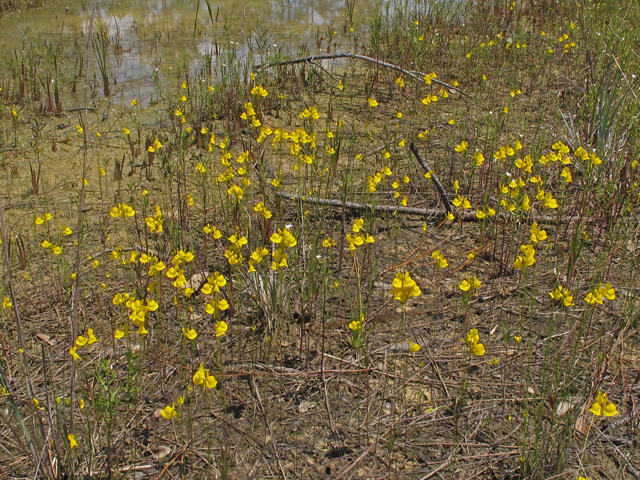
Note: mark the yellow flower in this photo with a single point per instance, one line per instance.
(607, 291)
(328, 243)
(91, 337)
(549, 201)
(404, 287)
(259, 90)
(400, 82)
(190, 334)
(279, 259)
(462, 147)
(441, 262)
(36, 403)
(372, 102)
(221, 328)
(526, 259)
(602, 405)
(236, 192)
(537, 234)
(72, 440)
(118, 334)
(126, 131)
(473, 339)
(81, 341)
(414, 347)
(355, 325)
(203, 378)
(6, 303)
(470, 284)
(169, 412)
(74, 355)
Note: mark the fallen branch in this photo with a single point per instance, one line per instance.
(374, 208)
(415, 75)
(467, 215)
(434, 177)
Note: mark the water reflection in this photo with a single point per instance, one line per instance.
(145, 35)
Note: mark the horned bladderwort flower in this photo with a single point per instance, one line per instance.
(470, 284)
(441, 262)
(537, 234)
(212, 287)
(405, 287)
(204, 379)
(259, 91)
(563, 296)
(599, 293)
(232, 253)
(190, 333)
(138, 311)
(256, 257)
(526, 257)
(221, 328)
(154, 223)
(603, 406)
(169, 412)
(260, 207)
(359, 236)
(473, 339)
(122, 210)
(212, 231)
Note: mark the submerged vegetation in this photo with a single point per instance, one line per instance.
(416, 261)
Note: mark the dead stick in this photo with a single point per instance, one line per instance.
(469, 215)
(434, 177)
(366, 59)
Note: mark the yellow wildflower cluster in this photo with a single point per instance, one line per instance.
(378, 177)
(249, 114)
(46, 216)
(282, 238)
(154, 223)
(473, 339)
(526, 257)
(260, 208)
(601, 292)
(508, 151)
(470, 284)
(82, 341)
(561, 295)
(356, 240)
(537, 234)
(204, 379)
(310, 113)
(176, 272)
(155, 265)
(602, 406)
(441, 262)
(259, 91)
(122, 210)
(405, 287)
(155, 146)
(430, 77)
(212, 231)
(256, 257)
(587, 157)
(233, 254)
(138, 311)
(52, 247)
(212, 287)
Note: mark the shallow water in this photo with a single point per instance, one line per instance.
(145, 35)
